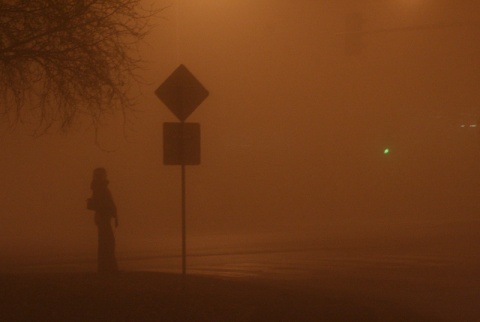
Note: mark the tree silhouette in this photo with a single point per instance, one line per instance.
(63, 58)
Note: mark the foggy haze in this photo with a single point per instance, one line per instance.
(293, 135)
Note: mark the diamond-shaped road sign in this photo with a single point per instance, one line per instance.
(182, 93)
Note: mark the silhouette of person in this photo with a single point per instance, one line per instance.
(102, 203)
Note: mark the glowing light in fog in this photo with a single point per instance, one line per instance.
(386, 151)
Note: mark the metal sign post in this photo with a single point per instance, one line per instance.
(182, 93)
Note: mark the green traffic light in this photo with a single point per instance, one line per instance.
(386, 151)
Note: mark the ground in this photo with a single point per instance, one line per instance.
(145, 296)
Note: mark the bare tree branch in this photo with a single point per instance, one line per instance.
(63, 58)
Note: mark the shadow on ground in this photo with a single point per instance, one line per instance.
(143, 296)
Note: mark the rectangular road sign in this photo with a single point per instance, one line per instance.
(181, 143)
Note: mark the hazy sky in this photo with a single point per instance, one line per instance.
(293, 132)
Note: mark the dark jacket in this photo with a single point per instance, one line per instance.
(102, 202)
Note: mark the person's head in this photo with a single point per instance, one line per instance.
(100, 174)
